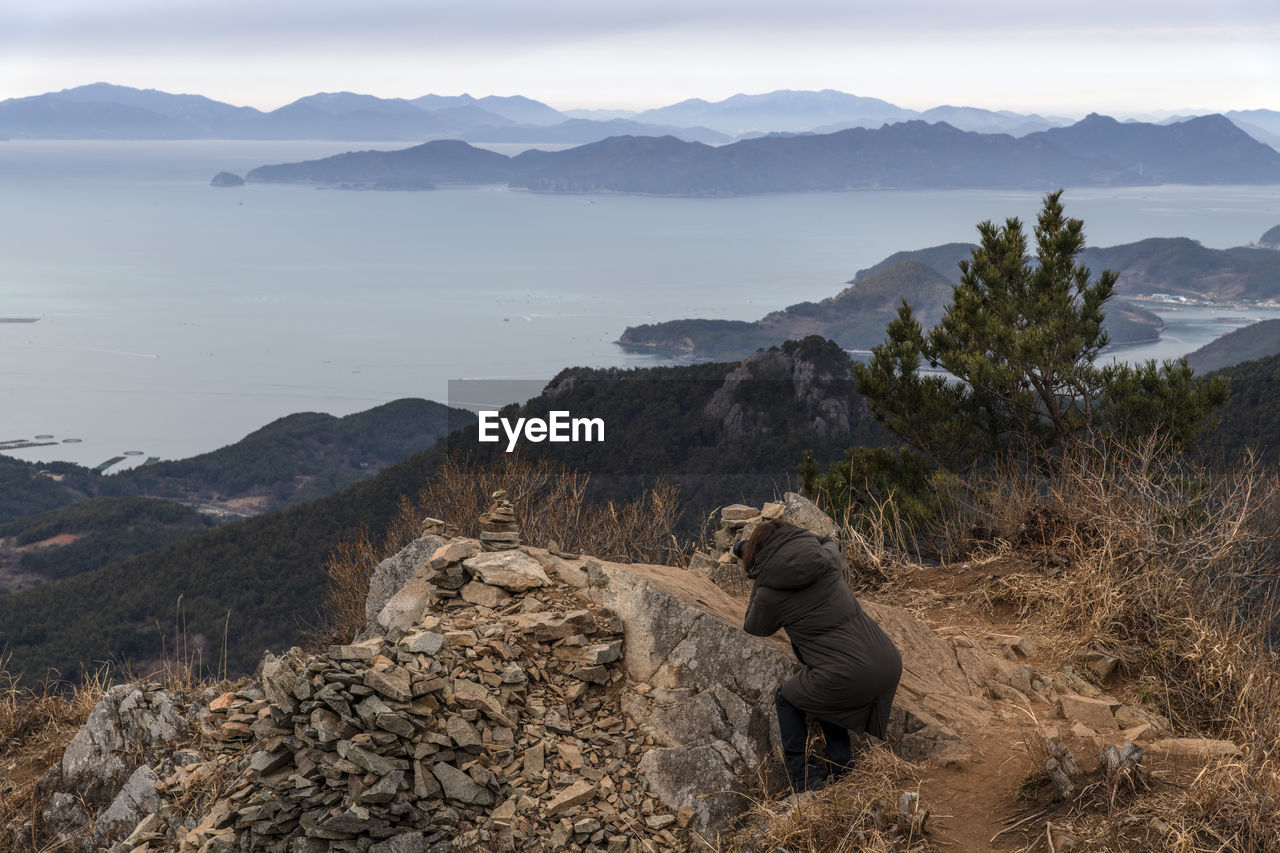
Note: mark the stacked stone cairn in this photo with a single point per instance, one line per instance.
(466, 726)
(737, 521)
(498, 528)
(721, 567)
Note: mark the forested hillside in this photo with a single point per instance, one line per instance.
(1257, 340)
(90, 534)
(1251, 416)
(295, 459)
(717, 429)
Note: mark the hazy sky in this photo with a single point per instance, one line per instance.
(1064, 57)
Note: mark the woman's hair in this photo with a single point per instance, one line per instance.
(755, 544)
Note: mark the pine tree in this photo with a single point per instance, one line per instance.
(1019, 344)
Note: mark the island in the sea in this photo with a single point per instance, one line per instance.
(1096, 151)
(1172, 270)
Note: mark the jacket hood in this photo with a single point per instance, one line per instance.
(793, 558)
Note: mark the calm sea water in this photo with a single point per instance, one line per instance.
(175, 317)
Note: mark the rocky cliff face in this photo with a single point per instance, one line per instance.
(812, 376)
(519, 699)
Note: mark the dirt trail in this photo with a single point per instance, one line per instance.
(970, 801)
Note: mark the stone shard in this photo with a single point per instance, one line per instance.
(772, 510)
(484, 594)
(546, 627)
(424, 642)
(515, 571)
(459, 787)
(575, 795)
(405, 842)
(738, 512)
(453, 552)
(1128, 716)
(395, 684)
(464, 734)
(367, 761)
(366, 650)
(278, 676)
(470, 695)
(1100, 663)
(406, 607)
(1194, 748)
(384, 790)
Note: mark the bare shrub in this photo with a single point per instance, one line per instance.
(1173, 569)
(348, 570)
(1235, 805)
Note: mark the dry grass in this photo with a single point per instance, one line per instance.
(551, 504)
(1159, 564)
(858, 814)
(35, 727)
(1235, 805)
(1172, 570)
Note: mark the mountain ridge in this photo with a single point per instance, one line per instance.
(910, 155)
(109, 111)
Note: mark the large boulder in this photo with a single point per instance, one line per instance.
(107, 767)
(127, 725)
(798, 509)
(710, 703)
(393, 573)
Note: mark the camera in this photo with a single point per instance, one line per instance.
(737, 548)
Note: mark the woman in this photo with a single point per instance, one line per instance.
(850, 667)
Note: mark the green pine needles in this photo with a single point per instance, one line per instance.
(1020, 344)
(1010, 375)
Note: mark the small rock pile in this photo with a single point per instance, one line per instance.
(477, 728)
(738, 521)
(498, 528)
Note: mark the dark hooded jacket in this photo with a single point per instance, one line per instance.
(850, 666)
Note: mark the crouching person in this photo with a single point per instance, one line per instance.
(850, 666)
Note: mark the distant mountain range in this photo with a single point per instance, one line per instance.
(1177, 266)
(1096, 151)
(105, 111)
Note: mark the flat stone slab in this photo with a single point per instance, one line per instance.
(575, 795)
(1194, 747)
(1097, 714)
(515, 571)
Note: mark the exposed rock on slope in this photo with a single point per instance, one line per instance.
(520, 699)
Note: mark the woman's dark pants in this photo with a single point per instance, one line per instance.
(794, 728)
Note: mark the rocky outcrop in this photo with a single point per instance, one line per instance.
(1271, 239)
(705, 689)
(107, 767)
(393, 573)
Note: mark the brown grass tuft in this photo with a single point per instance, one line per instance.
(1173, 569)
(855, 815)
(35, 727)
